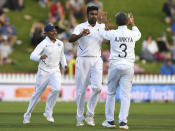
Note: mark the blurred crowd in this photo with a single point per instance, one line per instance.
(66, 15)
(8, 37)
(162, 49)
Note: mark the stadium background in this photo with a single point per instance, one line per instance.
(145, 115)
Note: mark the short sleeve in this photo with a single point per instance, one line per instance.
(77, 30)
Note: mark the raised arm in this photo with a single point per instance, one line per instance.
(136, 32)
(106, 34)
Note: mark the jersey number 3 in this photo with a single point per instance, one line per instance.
(124, 48)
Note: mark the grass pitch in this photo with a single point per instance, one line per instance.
(143, 117)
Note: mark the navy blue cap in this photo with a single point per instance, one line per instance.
(49, 27)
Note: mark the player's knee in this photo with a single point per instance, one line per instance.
(97, 90)
(55, 90)
(111, 93)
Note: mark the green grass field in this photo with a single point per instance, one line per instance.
(143, 117)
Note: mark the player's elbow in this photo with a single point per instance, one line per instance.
(71, 40)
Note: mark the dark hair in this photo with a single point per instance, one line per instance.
(90, 8)
(121, 18)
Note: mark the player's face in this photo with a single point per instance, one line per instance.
(92, 16)
(52, 34)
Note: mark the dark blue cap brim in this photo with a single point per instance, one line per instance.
(49, 28)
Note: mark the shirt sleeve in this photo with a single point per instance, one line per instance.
(136, 33)
(105, 34)
(63, 58)
(77, 30)
(36, 54)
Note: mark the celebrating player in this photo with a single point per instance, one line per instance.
(49, 53)
(121, 70)
(88, 65)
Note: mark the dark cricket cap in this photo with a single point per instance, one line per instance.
(1, 12)
(49, 27)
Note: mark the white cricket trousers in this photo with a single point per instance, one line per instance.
(119, 75)
(44, 78)
(88, 70)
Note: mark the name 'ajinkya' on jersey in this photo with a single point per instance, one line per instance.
(89, 45)
(122, 42)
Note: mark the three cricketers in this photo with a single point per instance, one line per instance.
(89, 36)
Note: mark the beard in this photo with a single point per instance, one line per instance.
(92, 20)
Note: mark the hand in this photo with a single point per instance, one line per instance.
(43, 57)
(102, 18)
(131, 19)
(85, 32)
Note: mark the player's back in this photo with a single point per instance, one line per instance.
(122, 43)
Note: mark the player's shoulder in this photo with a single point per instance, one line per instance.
(59, 42)
(82, 25)
(43, 42)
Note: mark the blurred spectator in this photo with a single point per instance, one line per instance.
(43, 3)
(172, 30)
(172, 51)
(5, 50)
(14, 4)
(76, 8)
(105, 57)
(57, 12)
(169, 10)
(71, 66)
(69, 55)
(2, 2)
(36, 33)
(163, 45)
(149, 48)
(67, 45)
(9, 30)
(97, 4)
(87, 1)
(168, 68)
(2, 17)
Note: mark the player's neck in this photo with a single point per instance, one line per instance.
(92, 24)
(52, 39)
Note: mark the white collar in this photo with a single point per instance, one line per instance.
(56, 42)
(122, 27)
(87, 23)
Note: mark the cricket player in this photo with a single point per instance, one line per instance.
(88, 65)
(121, 67)
(49, 53)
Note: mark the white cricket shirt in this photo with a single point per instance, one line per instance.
(54, 52)
(122, 41)
(89, 45)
